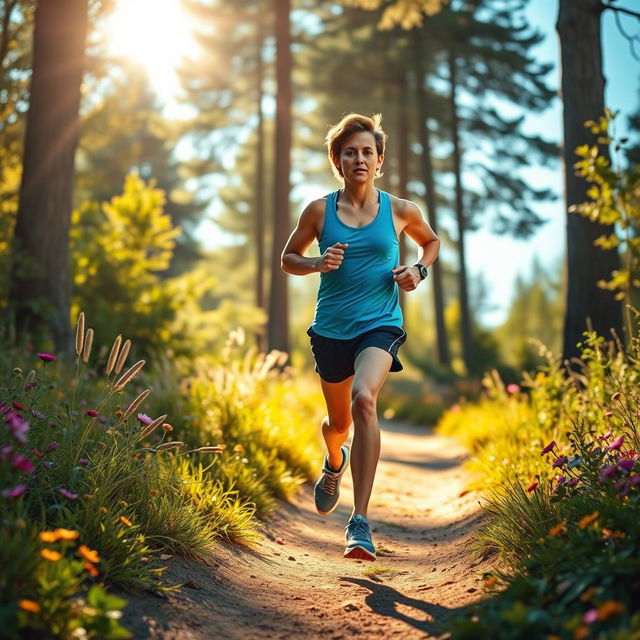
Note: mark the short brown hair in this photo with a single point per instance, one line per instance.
(354, 123)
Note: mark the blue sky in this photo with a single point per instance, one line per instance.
(499, 259)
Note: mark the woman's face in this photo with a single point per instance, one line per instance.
(359, 160)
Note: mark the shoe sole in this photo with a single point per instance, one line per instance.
(359, 553)
(326, 513)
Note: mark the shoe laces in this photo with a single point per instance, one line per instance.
(329, 482)
(359, 529)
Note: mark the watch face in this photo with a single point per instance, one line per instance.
(423, 270)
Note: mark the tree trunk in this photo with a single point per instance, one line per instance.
(403, 167)
(424, 137)
(278, 304)
(40, 288)
(578, 27)
(259, 185)
(463, 293)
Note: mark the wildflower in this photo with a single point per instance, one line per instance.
(114, 354)
(46, 357)
(22, 463)
(135, 404)
(29, 605)
(490, 581)
(166, 446)
(532, 486)
(238, 449)
(616, 444)
(52, 446)
(126, 521)
(47, 464)
(559, 462)
(608, 533)
(561, 527)
(14, 492)
(608, 472)
(605, 436)
(587, 595)
(91, 569)
(581, 632)
(80, 333)
(627, 464)
(88, 554)
(88, 343)
(588, 519)
(30, 385)
(18, 406)
(634, 480)
(167, 427)
(513, 388)
(102, 510)
(616, 396)
(67, 494)
(548, 448)
(143, 418)
(154, 492)
(18, 426)
(609, 608)
(83, 462)
(50, 555)
(58, 534)
(53, 425)
(92, 413)
(573, 482)
(5, 452)
(561, 480)
(590, 616)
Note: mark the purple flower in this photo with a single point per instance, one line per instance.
(590, 616)
(83, 462)
(627, 464)
(47, 464)
(143, 418)
(5, 452)
(19, 427)
(22, 463)
(616, 444)
(38, 415)
(559, 461)
(605, 436)
(548, 448)
(46, 357)
(14, 492)
(561, 480)
(573, 482)
(53, 425)
(30, 385)
(92, 413)
(52, 446)
(608, 472)
(635, 480)
(67, 494)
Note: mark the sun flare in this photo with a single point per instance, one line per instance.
(155, 35)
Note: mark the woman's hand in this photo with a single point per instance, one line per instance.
(332, 258)
(407, 278)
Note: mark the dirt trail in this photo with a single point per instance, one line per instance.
(297, 585)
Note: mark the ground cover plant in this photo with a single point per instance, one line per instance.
(96, 492)
(558, 457)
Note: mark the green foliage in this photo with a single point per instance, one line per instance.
(560, 468)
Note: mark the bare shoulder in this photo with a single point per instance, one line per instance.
(405, 210)
(312, 217)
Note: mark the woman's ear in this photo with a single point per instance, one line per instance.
(336, 164)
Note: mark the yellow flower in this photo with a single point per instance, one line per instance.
(88, 554)
(561, 527)
(51, 555)
(67, 534)
(125, 521)
(588, 519)
(29, 605)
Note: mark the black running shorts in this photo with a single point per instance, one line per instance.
(335, 359)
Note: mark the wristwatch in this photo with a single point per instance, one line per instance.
(422, 270)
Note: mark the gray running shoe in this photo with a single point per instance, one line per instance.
(327, 489)
(359, 544)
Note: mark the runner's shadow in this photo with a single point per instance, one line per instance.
(385, 601)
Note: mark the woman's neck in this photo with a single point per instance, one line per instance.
(359, 195)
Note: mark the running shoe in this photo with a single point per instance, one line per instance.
(327, 489)
(359, 544)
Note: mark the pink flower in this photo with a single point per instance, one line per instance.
(608, 472)
(52, 446)
(605, 436)
(559, 461)
(143, 418)
(616, 444)
(532, 486)
(573, 482)
(46, 357)
(5, 452)
(37, 453)
(590, 616)
(22, 463)
(92, 412)
(18, 406)
(83, 462)
(627, 464)
(67, 494)
(14, 492)
(513, 388)
(19, 427)
(548, 448)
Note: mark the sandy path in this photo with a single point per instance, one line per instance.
(297, 585)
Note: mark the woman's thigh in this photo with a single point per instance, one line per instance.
(337, 396)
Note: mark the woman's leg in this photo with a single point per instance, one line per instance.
(372, 367)
(335, 426)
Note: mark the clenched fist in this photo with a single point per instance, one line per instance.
(407, 278)
(332, 258)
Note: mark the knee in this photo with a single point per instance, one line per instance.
(363, 403)
(339, 426)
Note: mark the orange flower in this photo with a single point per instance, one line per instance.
(48, 536)
(588, 519)
(489, 582)
(51, 555)
(154, 492)
(238, 449)
(167, 427)
(588, 594)
(609, 608)
(91, 569)
(608, 533)
(561, 527)
(581, 632)
(125, 521)
(67, 534)
(103, 510)
(553, 637)
(88, 554)
(29, 605)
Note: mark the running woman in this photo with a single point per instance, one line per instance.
(357, 327)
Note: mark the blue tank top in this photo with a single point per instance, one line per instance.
(361, 294)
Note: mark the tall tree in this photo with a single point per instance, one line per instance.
(579, 29)
(278, 325)
(42, 227)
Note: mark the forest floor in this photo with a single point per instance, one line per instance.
(296, 584)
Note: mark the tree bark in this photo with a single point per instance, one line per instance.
(259, 185)
(463, 292)
(428, 179)
(278, 324)
(40, 288)
(403, 167)
(583, 84)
